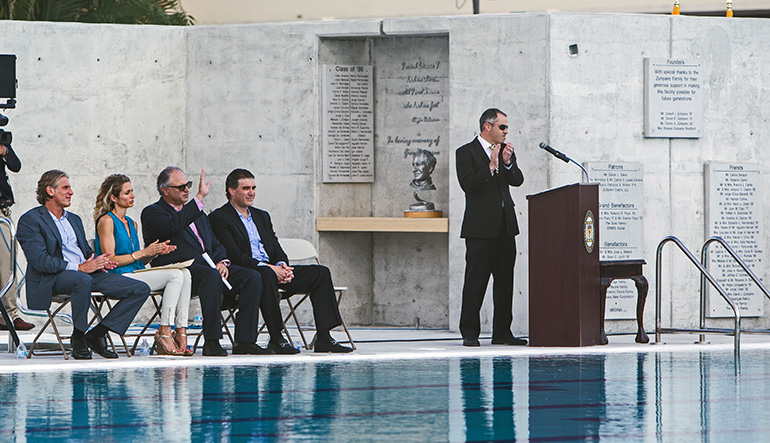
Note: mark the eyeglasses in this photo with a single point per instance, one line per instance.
(502, 127)
(187, 185)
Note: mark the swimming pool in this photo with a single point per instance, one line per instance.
(687, 396)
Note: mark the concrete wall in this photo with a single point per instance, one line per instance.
(98, 99)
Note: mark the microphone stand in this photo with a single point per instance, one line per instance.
(584, 177)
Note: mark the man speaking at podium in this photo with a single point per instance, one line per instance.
(486, 167)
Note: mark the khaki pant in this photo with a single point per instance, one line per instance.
(9, 299)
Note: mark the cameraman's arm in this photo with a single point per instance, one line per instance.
(11, 161)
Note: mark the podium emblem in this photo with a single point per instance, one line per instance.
(589, 231)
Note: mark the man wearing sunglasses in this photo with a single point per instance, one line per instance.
(486, 167)
(177, 218)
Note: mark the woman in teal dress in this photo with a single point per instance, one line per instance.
(117, 234)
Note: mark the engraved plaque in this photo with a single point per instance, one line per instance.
(621, 229)
(348, 124)
(673, 98)
(734, 212)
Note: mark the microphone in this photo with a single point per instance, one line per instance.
(554, 152)
(564, 158)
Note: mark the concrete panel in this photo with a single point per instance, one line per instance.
(410, 279)
(95, 100)
(505, 69)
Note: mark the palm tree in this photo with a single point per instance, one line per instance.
(146, 12)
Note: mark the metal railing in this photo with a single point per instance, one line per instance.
(742, 264)
(704, 275)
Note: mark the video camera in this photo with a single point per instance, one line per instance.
(7, 91)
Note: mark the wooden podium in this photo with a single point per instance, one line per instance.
(564, 285)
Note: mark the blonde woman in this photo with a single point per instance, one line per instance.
(117, 233)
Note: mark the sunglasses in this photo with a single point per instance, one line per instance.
(502, 127)
(187, 185)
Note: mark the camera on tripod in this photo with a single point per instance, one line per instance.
(8, 92)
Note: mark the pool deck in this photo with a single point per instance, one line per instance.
(378, 344)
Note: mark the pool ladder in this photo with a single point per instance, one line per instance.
(705, 275)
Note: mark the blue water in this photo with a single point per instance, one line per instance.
(708, 396)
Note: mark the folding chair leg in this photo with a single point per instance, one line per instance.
(344, 326)
(98, 316)
(293, 314)
(51, 317)
(146, 325)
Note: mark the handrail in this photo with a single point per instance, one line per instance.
(741, 263)
(704, 273)
(13, 336)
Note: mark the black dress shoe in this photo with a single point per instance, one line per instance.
(471, 342)
(283, 347)
(330, 345)
(511, 341)
(99, 345)
(212, 348)
(241, 348)
(80, 349)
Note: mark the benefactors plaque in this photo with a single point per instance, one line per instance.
(734, 212)
(621, 229)
(348, 125)
(673, 98)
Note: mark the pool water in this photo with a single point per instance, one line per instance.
(688, 396)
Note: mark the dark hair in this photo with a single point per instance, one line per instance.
(231, 182)
(164, 177)
(49, 178)
(111, 185)
(489, 116)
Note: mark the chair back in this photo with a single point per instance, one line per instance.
(298, 249)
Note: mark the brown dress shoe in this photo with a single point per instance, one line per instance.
(22, 325)
(19, 325)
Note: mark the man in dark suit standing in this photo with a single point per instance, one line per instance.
(183, 222)
(486, 167)
(247, 234)
(54, 242)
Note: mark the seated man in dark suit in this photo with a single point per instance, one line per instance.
(247, 234)
(54, 242)
(183, 222)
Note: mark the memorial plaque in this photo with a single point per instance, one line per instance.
(412, 124)
(673, 98)
(621, 227)
(348, 125)
(734, 212)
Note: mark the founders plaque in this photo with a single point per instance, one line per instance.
(621, 229)
(348, 124)
(673, 98)
(734, 212)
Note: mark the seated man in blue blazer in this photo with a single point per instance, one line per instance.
(59, 261)
(247, 234)
(180, 219)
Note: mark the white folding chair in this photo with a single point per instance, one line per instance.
(301, 250)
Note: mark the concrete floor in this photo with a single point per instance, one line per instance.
(377, 344)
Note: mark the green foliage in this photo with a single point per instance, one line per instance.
(146, 12)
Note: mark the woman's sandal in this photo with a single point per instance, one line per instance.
(161, 349)
(181, 341)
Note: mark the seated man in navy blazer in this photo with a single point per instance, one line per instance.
(247, 234)
(59, 261)
(183, 222)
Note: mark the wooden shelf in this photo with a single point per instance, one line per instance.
(382, 224)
